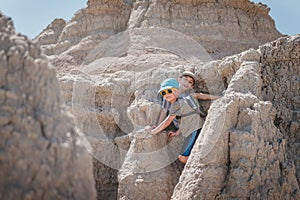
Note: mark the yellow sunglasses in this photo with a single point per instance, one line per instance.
(167, 91)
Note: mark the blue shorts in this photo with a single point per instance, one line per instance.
(189, 142)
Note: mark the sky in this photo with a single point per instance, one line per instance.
(31, 17)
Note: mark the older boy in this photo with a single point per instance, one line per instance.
(187, 81)
(190, 121)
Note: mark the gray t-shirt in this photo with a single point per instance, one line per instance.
(188, 123)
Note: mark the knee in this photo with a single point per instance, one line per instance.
(183, 159)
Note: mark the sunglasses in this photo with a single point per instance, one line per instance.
(167, 91)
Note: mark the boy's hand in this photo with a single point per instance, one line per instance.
(172, 133)
(149, 129)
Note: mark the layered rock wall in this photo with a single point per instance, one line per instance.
(208, 23)
(280, 60)
(84, 31)
(222, 27)
(41, 156)
(247, 148)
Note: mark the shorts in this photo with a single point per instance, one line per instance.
(189, 143)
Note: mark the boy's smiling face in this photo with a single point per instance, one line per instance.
(186, 82)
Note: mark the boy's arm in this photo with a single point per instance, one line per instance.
(162, 116)
(164, 111)
(202, 96)
(162, 125)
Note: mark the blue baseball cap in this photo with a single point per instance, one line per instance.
(168, 84)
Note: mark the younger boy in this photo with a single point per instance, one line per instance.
(190, 122)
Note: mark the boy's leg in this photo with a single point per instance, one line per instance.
(188, 147)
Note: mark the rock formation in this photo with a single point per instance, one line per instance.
(251, 153)
(247, 143)
(110, 59)
(40, 154)
(222, 27)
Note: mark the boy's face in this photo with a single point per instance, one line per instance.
(171, 96)
(186, 82)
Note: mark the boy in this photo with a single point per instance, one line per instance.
(190, 121)
(187, 82)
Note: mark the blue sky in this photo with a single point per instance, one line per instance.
(285, 14)
(32, 16)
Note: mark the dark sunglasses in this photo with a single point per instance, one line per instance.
(167, 91)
